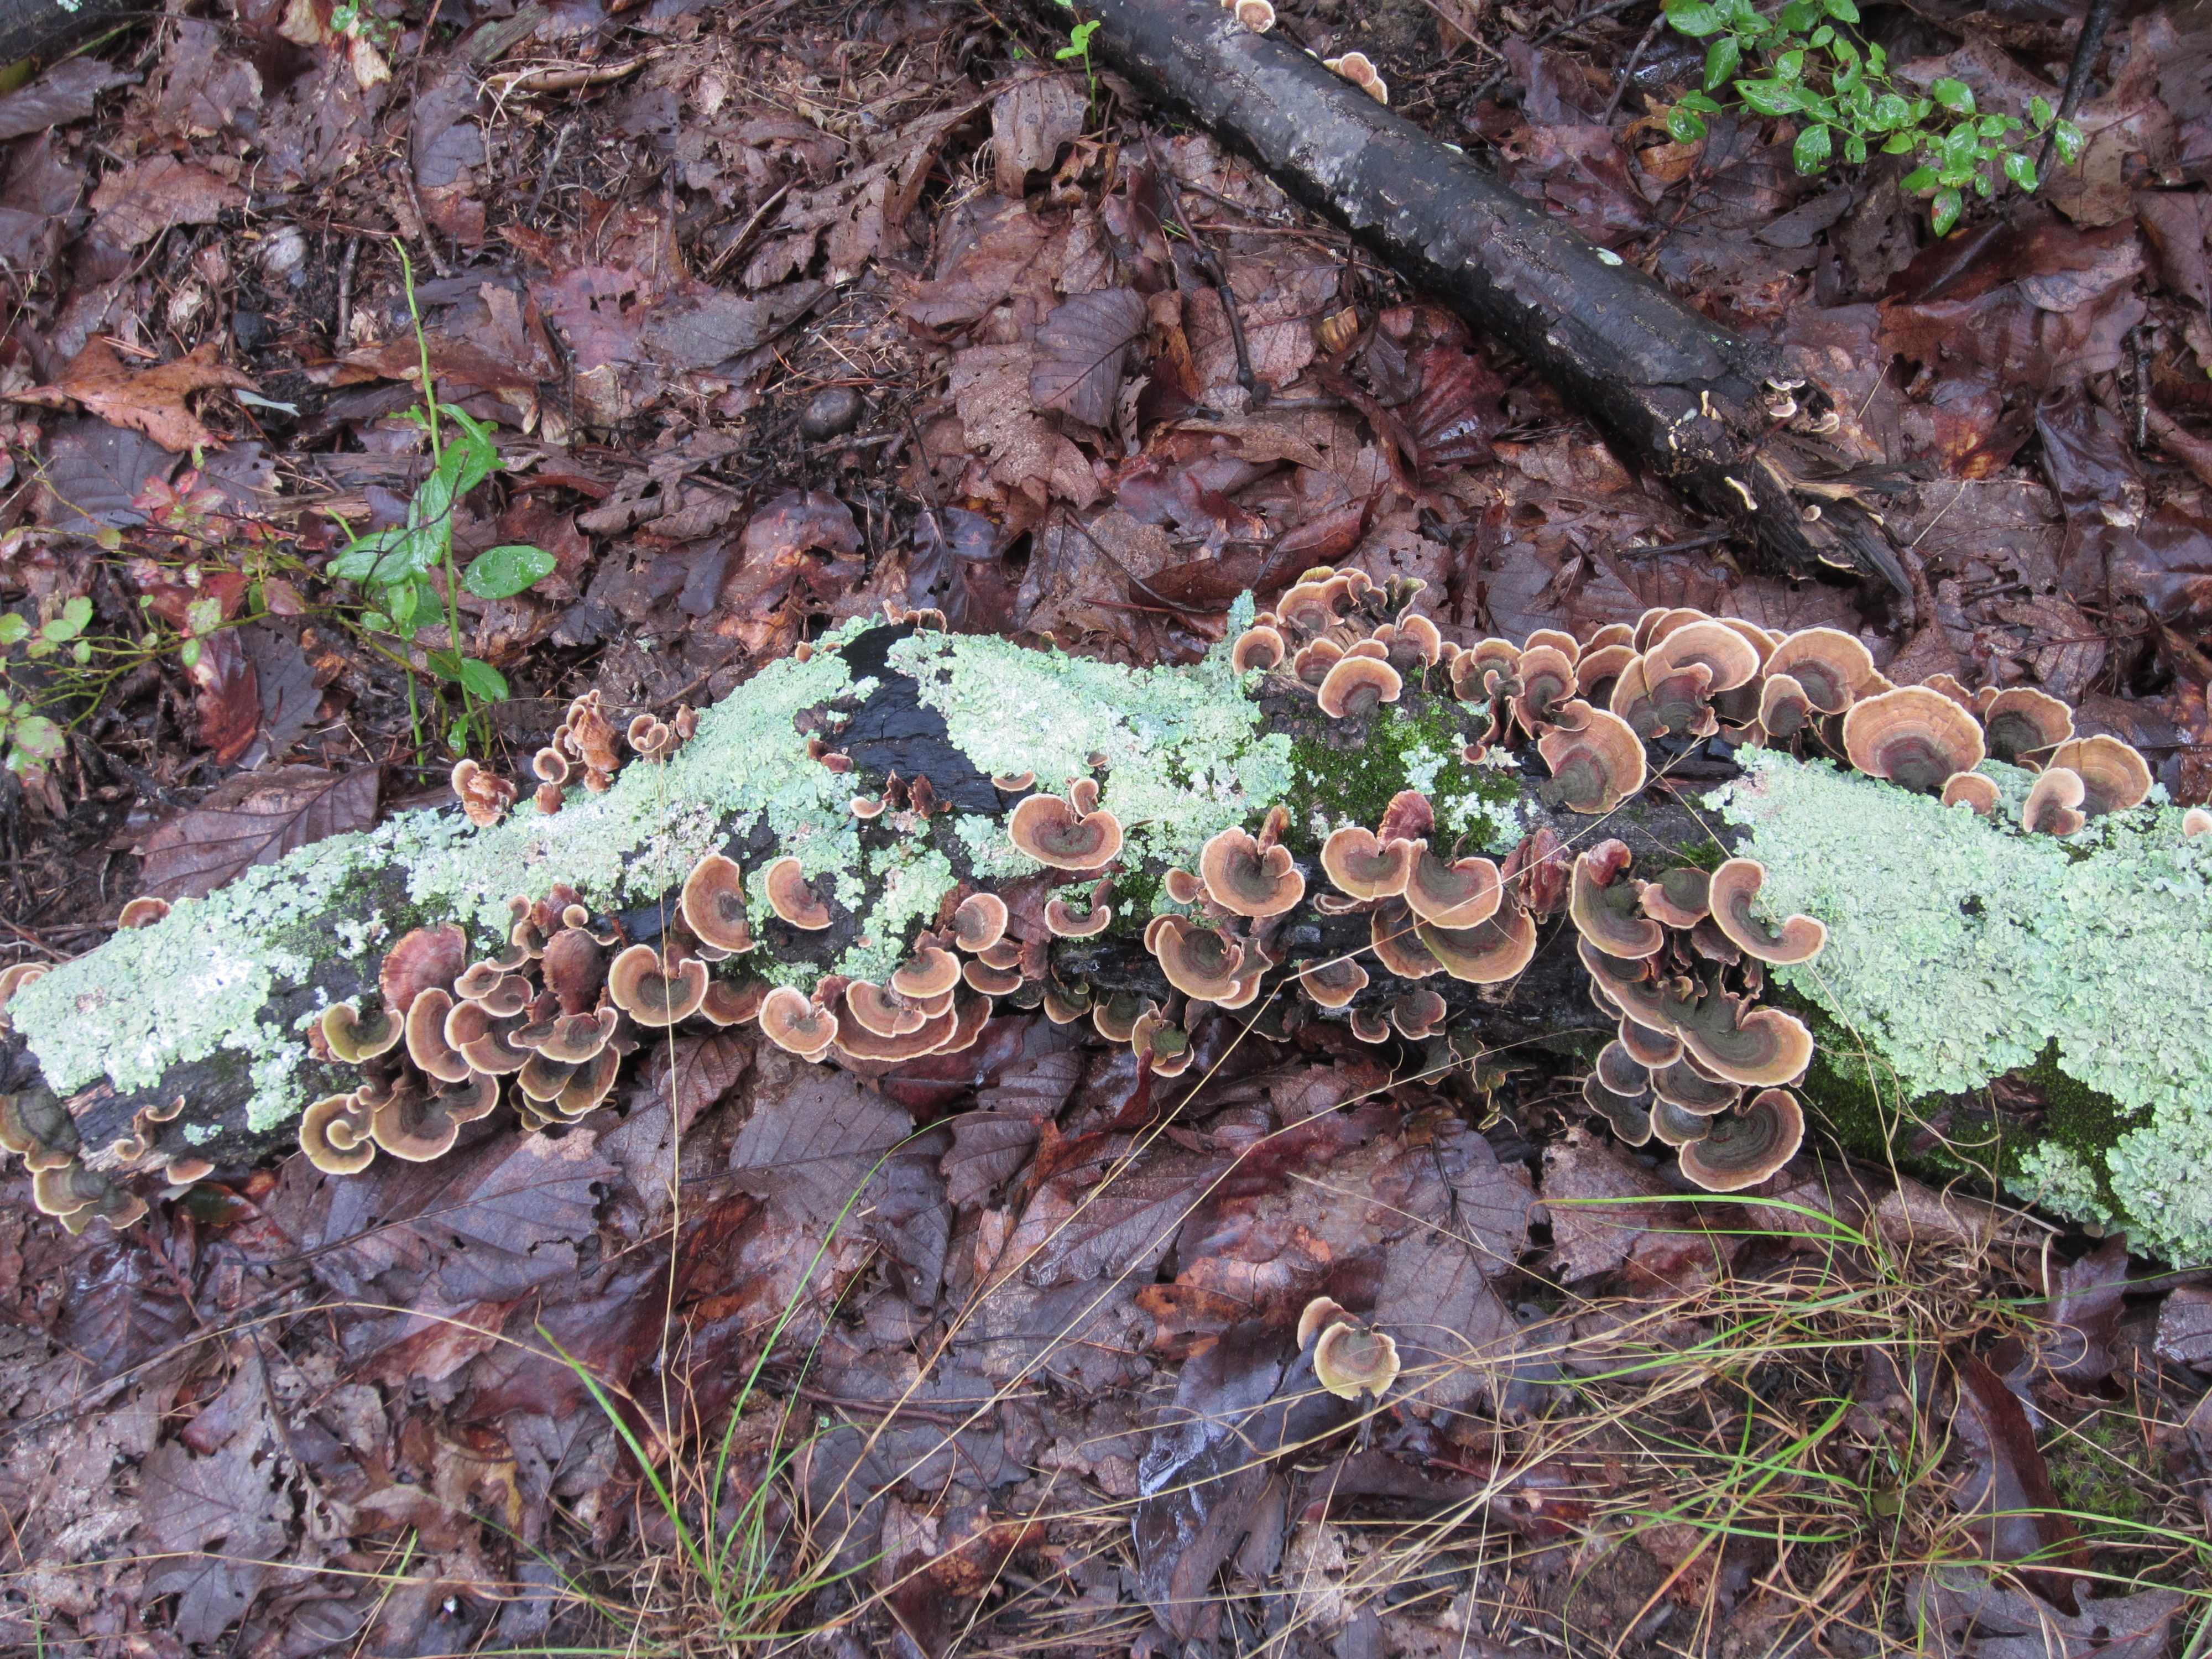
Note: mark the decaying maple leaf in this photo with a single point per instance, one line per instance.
(151, 401)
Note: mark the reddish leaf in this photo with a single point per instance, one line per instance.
(1082, 351)
(151, 401)
(255, 817)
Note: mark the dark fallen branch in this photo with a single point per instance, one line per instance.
(1727, 421)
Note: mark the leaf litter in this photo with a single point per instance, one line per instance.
(1021, 1335)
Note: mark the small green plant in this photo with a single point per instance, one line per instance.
(394, 567)
(1813, 71)
(1079, 45)
(30, 738)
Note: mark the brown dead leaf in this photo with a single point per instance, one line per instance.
(151, 401)
(1030, 121)
(155, 194)
(255, 817)
(1083, 351)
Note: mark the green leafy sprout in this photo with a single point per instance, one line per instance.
(1809, 67)
(1079, 45)
(394, 566)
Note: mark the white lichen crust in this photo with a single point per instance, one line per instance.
(1960, 948)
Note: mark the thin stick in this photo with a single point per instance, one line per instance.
(1202, 250)
(2091, 41)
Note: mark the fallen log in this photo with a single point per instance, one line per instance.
(1731, 423)
(872, 847)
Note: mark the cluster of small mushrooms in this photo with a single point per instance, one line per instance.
(1677, 962)
(1259, 16)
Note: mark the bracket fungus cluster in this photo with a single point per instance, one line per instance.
(1350, 1357)
(1678, 963)
(1128, 846)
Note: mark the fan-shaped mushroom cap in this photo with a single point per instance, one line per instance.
(2114, 777)
(1369, 1025)
(1318, 1315)
(1603, 907)
(1350, 1360)
(1259, 646)
(1197, 962)
(1673, 1125)
(484, 795)
(38, 1129)
(1488, 953)
(1682, 897)
(1460, 893)
(1974, 789)
(854, 1038)
(1006, 953)
(426, 1037)
(1067, 922)
(1630, 1115)
(68, 1191)
(1314, 659)
(478, 981)
(1828, 666)
(1417, 639)
(1596, 756)
(1182, 887)
(1691, 1090)
(2050, 807)
(1626, 987)
(1554, 639)
(930, 972)
(1784, 710)
(1913, 736)
(13, 979)
(1547, 682)
(979, 922)
(733, 1002)
(1333, 983)
(1064, 1008)
(1755, 1047)
(991, 982)
(1734, 886)
(1620, 1071)
(1418, 1014)
(1742, 1148)
(970, 1014)
(876, 1009)
(142, 912)
(571, 1039)
(1390, 930)
(1116, 1018)
(1012, 783)
(587, 1085)
(1595, 671)
(334, 1134)
(1059, 837)
(1358, 686)
(714, 903)
(411, 1126)
(790, 897)
(2196, 822)
(2021, 721)
(1247, 880)
(551, 766)
(1305, 606)
(1365, 867)
(791, 1021)
(1730, 659)
(427, 956)
(1083, 792)
(651, 990)
(353, 1039)
(486, 1040)
(1648, 1047)
(1354, 67)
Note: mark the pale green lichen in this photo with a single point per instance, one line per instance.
(1185, 755)
(1960, 950)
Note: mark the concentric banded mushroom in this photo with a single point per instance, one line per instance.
(1067, 922)
(714, 904)
(790, 897)
(1973, 789)
(426, 1037)
(1350, 1359)
(1460, 893)
(427, 956)
(1728, 658)
(1354, 67)
(354, 1039)
(2114, 777)
(1648, 1047)
(1257, 647)
(1418, 1014)
(1682, 897)
(1603, 908)
(653, 990)
(1734, 886)
(733, 1002)
(1390, 934)
(1333, 983)
(1197, 962)
(791, 1021)
(1733, 1040)
(484, 1040)
(930, 973)
(1358, 686)
(1247, 879)
(2021, 721)
(1629, 1115)
(1062, 835)
(1692, 1091)
(1742, 1148)
(334, 1134)
(1913, 736)
(2050, 808)
(142, 912)
(1489, 953)
(979, 922)
(1828, 665)
(1596, 757)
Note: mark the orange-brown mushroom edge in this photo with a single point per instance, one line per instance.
(1733, 888)
(1067, 922)
(791, 898)
(1915, 737)
(1350, 1359)
(714, 904)
(142, 912)
(979, 922)
(334, 1134)
(652, 990)
(2051, 803)
(1604, 907)
(1357, 686)
(1742, 1147)
(2114, 777)
(1365, 867)
(1333, 984)
(1060, 835)
(1973, 789)
(1247, 879)
(1596, 757)
(792, 1022)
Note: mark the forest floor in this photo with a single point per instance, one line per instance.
(757, 305)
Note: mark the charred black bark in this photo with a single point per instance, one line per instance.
(1695, 404)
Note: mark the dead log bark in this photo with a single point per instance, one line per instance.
(1697, 404)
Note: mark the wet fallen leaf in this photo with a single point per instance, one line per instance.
(255, 817)
(152, 400)
(65, 92)
(153, 194)
(1083, 349)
